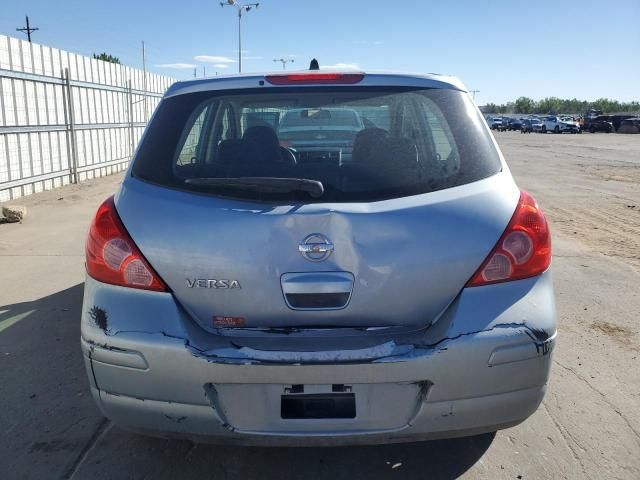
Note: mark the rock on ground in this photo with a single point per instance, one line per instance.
(13, 213)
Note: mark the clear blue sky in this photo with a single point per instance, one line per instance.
(504, 48)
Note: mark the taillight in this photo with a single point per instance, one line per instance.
(113, 258)
(315, 78)
(523, 251)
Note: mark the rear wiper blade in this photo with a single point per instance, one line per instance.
(263, 184)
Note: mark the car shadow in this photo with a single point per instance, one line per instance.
(47, 414)
(159, 459)
(50, 422)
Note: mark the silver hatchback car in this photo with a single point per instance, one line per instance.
(370, 273)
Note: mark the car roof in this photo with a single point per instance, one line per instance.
(370, 79)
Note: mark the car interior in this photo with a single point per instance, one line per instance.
(227, 139)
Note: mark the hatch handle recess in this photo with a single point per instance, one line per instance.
(317, 282)
(317, 290)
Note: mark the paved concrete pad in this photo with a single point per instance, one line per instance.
(588, 426)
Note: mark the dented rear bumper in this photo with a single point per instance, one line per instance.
(482, 366)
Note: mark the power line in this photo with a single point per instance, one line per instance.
(28, 29)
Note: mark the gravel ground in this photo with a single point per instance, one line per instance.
(587, 427)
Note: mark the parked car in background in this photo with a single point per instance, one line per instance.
(514, 124)
(496, 123)
(526, 126)
(556, 125)
(591, 114)
(617, 119)
(236, 294)
(601, 123)
(530, 125)
(572, 120)
(320, 134)
(536, 124)
(630, 125)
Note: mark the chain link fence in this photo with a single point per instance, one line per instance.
(65, 118)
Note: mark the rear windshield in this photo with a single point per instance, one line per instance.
(361, 144)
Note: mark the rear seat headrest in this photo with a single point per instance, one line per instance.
(239, 158)
(266, 139)
(366, 142)
(385, 160)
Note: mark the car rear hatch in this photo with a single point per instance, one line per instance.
(391, 240)
(397, 262)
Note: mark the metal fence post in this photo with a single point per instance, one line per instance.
(131, 134)
(57, 129)
(72, 142)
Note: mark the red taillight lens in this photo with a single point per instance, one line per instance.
(113, 258)
(315, 78)
(524, 250)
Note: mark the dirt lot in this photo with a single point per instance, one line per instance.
(588, 426)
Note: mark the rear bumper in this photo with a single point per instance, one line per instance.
(483, 366)
(436, 420)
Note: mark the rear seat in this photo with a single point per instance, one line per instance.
(378, 161)
(381, 161)
(247, 158)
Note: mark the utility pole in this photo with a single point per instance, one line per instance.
(284, 61)
(195, 71)
(473, 92)
(204, 70)
(27, 29)
(242, 8)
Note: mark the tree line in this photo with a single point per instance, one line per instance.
(105, 57)
(560, 105)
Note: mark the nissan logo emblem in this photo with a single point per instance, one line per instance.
(316, 247)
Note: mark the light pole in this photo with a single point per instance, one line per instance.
(284, 61)
(241, 7)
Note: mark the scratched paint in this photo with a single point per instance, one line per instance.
(99, 317)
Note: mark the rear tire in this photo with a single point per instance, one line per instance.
(556, 130)
(544, 129)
